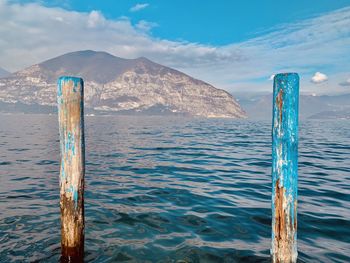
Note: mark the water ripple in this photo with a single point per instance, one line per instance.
(172, 190)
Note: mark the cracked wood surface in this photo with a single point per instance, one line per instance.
(70, 99)
(285, 167)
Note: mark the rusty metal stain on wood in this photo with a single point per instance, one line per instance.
(285, 167)
(70, 96)
(279, 102)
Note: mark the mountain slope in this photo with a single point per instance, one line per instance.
(259, 106)
(3, 73)
(120, 85)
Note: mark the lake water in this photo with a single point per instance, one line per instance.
(164, 189)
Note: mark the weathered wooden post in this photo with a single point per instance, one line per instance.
(285, 167)
(70, 99)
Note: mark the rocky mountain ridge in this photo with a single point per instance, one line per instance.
(120, 85)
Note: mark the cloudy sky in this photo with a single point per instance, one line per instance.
(234, 45)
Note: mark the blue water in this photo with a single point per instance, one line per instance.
(162, 189)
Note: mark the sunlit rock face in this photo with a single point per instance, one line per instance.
(120, 85)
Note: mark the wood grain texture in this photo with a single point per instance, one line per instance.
(70, 100)
(285, 167)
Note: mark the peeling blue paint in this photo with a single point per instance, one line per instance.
(70, 143)
(285, 160)
(63, 174)
(74, 191)
(71, 139)
(62, 81)
(59, 93)
(75, 198)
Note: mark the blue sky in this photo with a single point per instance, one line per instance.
(208, 22)
(234, 45)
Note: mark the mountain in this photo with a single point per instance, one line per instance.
(259, 105)
(120, 85)
(331, 115)
(4, 73)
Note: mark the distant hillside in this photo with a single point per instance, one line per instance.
(259, 106)
(120, 85)
(3, 73)
(331, 115)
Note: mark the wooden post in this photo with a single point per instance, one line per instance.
(285, 167)
(70, 100)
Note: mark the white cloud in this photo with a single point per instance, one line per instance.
(145, 26)
(138, 7)
(319, 78)
(300, 47)
(345, 83)
(95, 19)
(58, 18)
